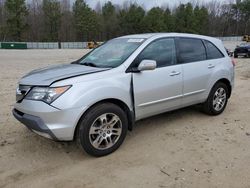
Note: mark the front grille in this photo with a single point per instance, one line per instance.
(21, 91)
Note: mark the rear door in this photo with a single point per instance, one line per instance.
(199, 59)
(196, 70)
(158, 90)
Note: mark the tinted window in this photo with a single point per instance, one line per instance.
(162, 51)
(191, 50)
(212, 51)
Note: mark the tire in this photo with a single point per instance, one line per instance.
(215, 105)
(235, 56)
(97, 134)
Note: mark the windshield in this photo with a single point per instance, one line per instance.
(111, 54)
(244, 44)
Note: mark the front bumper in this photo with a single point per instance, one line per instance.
(48, 121)
(34, 123)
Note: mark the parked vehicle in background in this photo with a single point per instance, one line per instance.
(246, 38)
(242, 50)
(96, 99)
(93, 44)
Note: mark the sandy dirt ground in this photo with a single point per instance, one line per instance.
(184, 148)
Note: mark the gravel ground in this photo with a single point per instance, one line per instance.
(184, 148)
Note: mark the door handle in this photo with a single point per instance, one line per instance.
(174, 73)
(210, 66)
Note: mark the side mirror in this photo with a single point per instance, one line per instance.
(147, 65)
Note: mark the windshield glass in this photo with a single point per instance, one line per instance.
(111, 54)
(244, 44)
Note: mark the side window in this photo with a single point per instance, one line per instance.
(212, 51)
(191, 50)
(162, 51)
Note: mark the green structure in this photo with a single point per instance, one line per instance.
(13, 45)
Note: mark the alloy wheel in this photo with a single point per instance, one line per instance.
(105, 131)
(219, 99)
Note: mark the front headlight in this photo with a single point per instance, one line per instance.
(46, 94)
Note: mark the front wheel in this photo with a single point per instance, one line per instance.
(103, 129)
(217, 99)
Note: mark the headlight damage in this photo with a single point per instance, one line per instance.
(46, 94)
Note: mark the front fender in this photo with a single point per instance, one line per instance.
(85, 94)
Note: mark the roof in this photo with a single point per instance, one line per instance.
(149, 35)
(152, 36)
(144, 36)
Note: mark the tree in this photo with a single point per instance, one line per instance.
(155, 20)
(180, 18)
(52, 19)
(2, 20)
(109, 21)
(36, 21)
(58, 20)
(67, 31)
(169, 20)
(16, 12)
(200, 20)
(244, 7)
(189, 19)
(85, 21)
(131, 20)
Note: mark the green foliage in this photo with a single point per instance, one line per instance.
(244, 7)
(200, 20)
(16, 15)
(52, 19)
(109, 21)
(85, 21)
(155, 20)
(169, 20)
(131, 20)
(81, 23)
(185, 19)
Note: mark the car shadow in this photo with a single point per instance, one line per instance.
(142, 127)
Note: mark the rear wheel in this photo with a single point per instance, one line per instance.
(103, 129)
(217, 99)
(235, 56)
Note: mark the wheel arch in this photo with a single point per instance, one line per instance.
(118, 102)
(228, 84)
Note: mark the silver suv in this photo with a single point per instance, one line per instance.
(97, 98)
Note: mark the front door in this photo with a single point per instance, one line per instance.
(158, 90)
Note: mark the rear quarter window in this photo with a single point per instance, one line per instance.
(212, 51)
(191, 50)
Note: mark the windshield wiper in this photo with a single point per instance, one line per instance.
(90, 64)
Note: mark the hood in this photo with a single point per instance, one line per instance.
(46, 76)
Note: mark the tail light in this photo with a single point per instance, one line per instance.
(233, 62)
